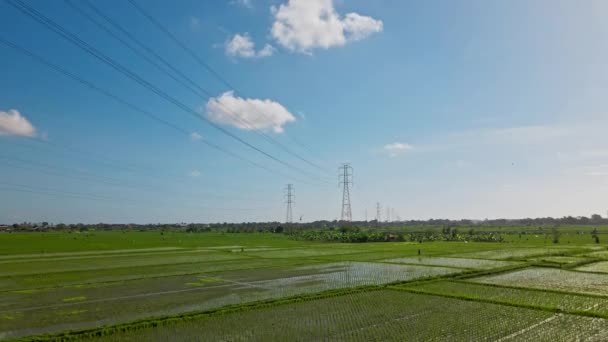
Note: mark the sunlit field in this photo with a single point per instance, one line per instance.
(161, 286)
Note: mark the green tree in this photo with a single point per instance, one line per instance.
(555, 234)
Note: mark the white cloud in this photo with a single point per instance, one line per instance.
(266, 51)
(194, 136)
(195, 173)
(397, 148)
(244, 3)
(359, 26)
(242, 46)
(12, 123)
(248, 114)
(303, 25)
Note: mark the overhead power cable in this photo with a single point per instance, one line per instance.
(88, 177)
(183, 79)
(6, 186)
(58, 29)
(210, 69)
(47, 146)
(139, 110)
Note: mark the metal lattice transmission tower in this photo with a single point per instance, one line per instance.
(378, 215)
(345, 179)
(290, 196)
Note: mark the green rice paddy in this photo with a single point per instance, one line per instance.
(144, 286)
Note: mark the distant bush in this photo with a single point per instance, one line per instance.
(356, 235)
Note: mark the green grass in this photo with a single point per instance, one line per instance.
(53, 242)
(520, 297)
(142, 285)
(378, 315)
(131, 300)
(601, 267)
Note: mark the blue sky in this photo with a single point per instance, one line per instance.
(445, 109)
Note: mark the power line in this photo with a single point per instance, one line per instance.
(133, 107)
(79, 195)
(211, 70)
(208, 94)
(183, 76)
(345, 179)
(101, 159)
(94, 156)
(125, 43)
(290, 195)
(82, 176)
(58, 29)
(96, 179)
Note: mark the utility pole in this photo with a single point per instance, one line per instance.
(289, 195)
(366, 215)
(345, 178)
(378, 218)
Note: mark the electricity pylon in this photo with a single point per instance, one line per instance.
(289, 195)
(345, 179)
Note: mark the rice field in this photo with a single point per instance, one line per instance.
(479, 264)
(519, 297)
(552, 279)
(518, 253)
(601, 267)
(562, 260)
(224, 287)
(381, 316)
(598, 254)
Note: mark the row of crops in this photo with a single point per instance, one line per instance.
(217, 291)
(382, 316)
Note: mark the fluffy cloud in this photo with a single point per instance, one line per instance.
(358, 26)
(195, 173)
(195, 136)
(303, 25)
(242, 46)
(397, 148)
(248, 114)
(244, 3)
(13, 123)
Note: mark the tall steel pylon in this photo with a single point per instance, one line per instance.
(378, 217)
(289, 195)
(345, 179)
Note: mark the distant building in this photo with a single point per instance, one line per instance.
(4, 227)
